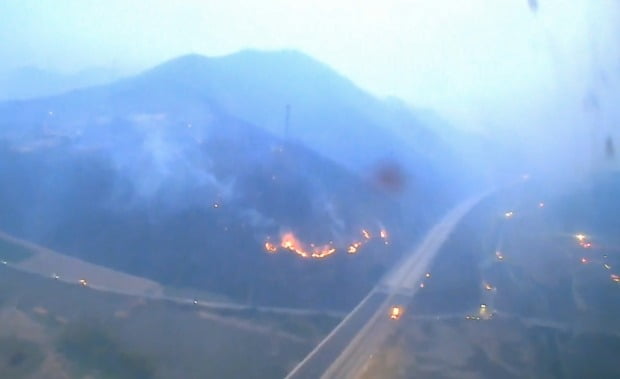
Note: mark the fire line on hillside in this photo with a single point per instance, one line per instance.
(289, 242)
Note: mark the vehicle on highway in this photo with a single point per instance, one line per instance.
(396, 312)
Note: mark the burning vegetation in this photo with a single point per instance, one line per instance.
(289, 242)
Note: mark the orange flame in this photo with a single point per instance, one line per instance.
(271, 248)
(354, 247)
(291, 243)
(323, 253)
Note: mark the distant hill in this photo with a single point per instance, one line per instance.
(182, 173)
(328, 112)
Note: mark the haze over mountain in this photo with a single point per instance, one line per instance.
(183, 172)
(30, 82)
(327, 112)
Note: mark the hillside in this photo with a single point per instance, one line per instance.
(181, 175)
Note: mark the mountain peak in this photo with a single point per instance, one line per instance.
(290, 56)
(286, 63)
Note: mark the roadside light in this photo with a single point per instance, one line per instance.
(483, 311)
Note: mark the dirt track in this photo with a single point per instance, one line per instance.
(47, 262)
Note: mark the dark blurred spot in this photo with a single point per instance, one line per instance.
(16, 359)
(389, 176)
(590, 102)
(533, 4)
(610, 150)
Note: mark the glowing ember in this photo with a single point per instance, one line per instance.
(271, 248)
(291, 243)
(323, 253)
(353, 248)
(287, 244)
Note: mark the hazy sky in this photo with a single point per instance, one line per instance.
(480, 63)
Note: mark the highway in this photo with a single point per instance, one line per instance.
(346, 351)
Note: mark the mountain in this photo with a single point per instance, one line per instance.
(183, 174)
(328, 112)
(30, 82)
